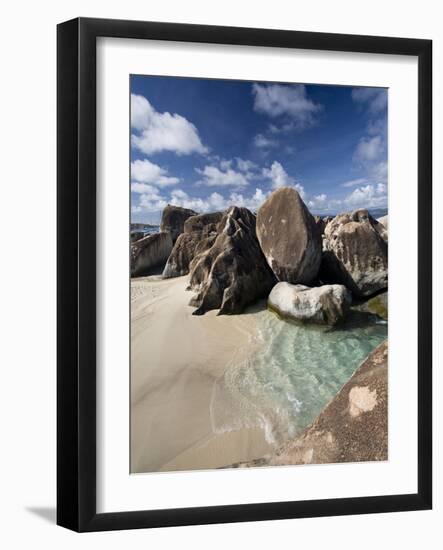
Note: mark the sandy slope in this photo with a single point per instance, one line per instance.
(175, 359)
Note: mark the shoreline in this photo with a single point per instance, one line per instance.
(170, 399)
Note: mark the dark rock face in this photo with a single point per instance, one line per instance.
(289, 237)
(320, 223)
(324, 305)
(377, 305)
(355, 253)
(199, 234)
(173, 220)
(353, 427)
(233, 272)
(149, 252)
(136, 236)
(203, 223)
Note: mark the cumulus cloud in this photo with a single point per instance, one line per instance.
(353, 183)
(141, 188)
(151, 201)
(156, 132)
(245, 165)
(280, 178)
(369, 196)
(212, 176)
(144, 171)
(375, 99)
(292, 101)
(379, 171)
(369, 149)
(155, 201)
(263, 142)
(319, 201)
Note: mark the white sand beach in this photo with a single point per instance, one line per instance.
(176, 358)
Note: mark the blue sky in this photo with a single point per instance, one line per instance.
(208, 144)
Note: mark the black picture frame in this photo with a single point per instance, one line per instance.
(76, 279)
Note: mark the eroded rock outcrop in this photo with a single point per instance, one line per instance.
(355, 253)
(328, 304)
(377, 305)
(233, 272)
(150, 252)
(173, 220)
(353, 427)
(136, 236)
(289, 237)
(199, 235)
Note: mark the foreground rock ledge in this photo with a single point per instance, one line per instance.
(353, 427)
(327, 305)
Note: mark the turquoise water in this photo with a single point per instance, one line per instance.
(293, 374)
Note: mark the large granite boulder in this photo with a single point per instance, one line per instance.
(384, 220)
(382, 227)
(173, 219)
(150, 252)
(199, 234)
(353, 427)
(289, 237)
(355, 253)
(203, 223)
(233, 273)
(327, 305)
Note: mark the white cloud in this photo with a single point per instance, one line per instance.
(141, 188)
(162, 131)
(155, 202)
(144, 171)
(369, 196)
(319, 201)
(280, 178)
(252, 202)
(375, 99)
(245, 165)
(263, 142)
(369, 149)
(151, 201)
(214, 177)
(225, 164)
(276, 100)
(379, 171)
(353, 183)
(212, 203)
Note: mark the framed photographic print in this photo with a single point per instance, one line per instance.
(226, 201)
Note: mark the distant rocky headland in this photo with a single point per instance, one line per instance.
(311, 270)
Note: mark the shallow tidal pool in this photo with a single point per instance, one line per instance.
(292, 373)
